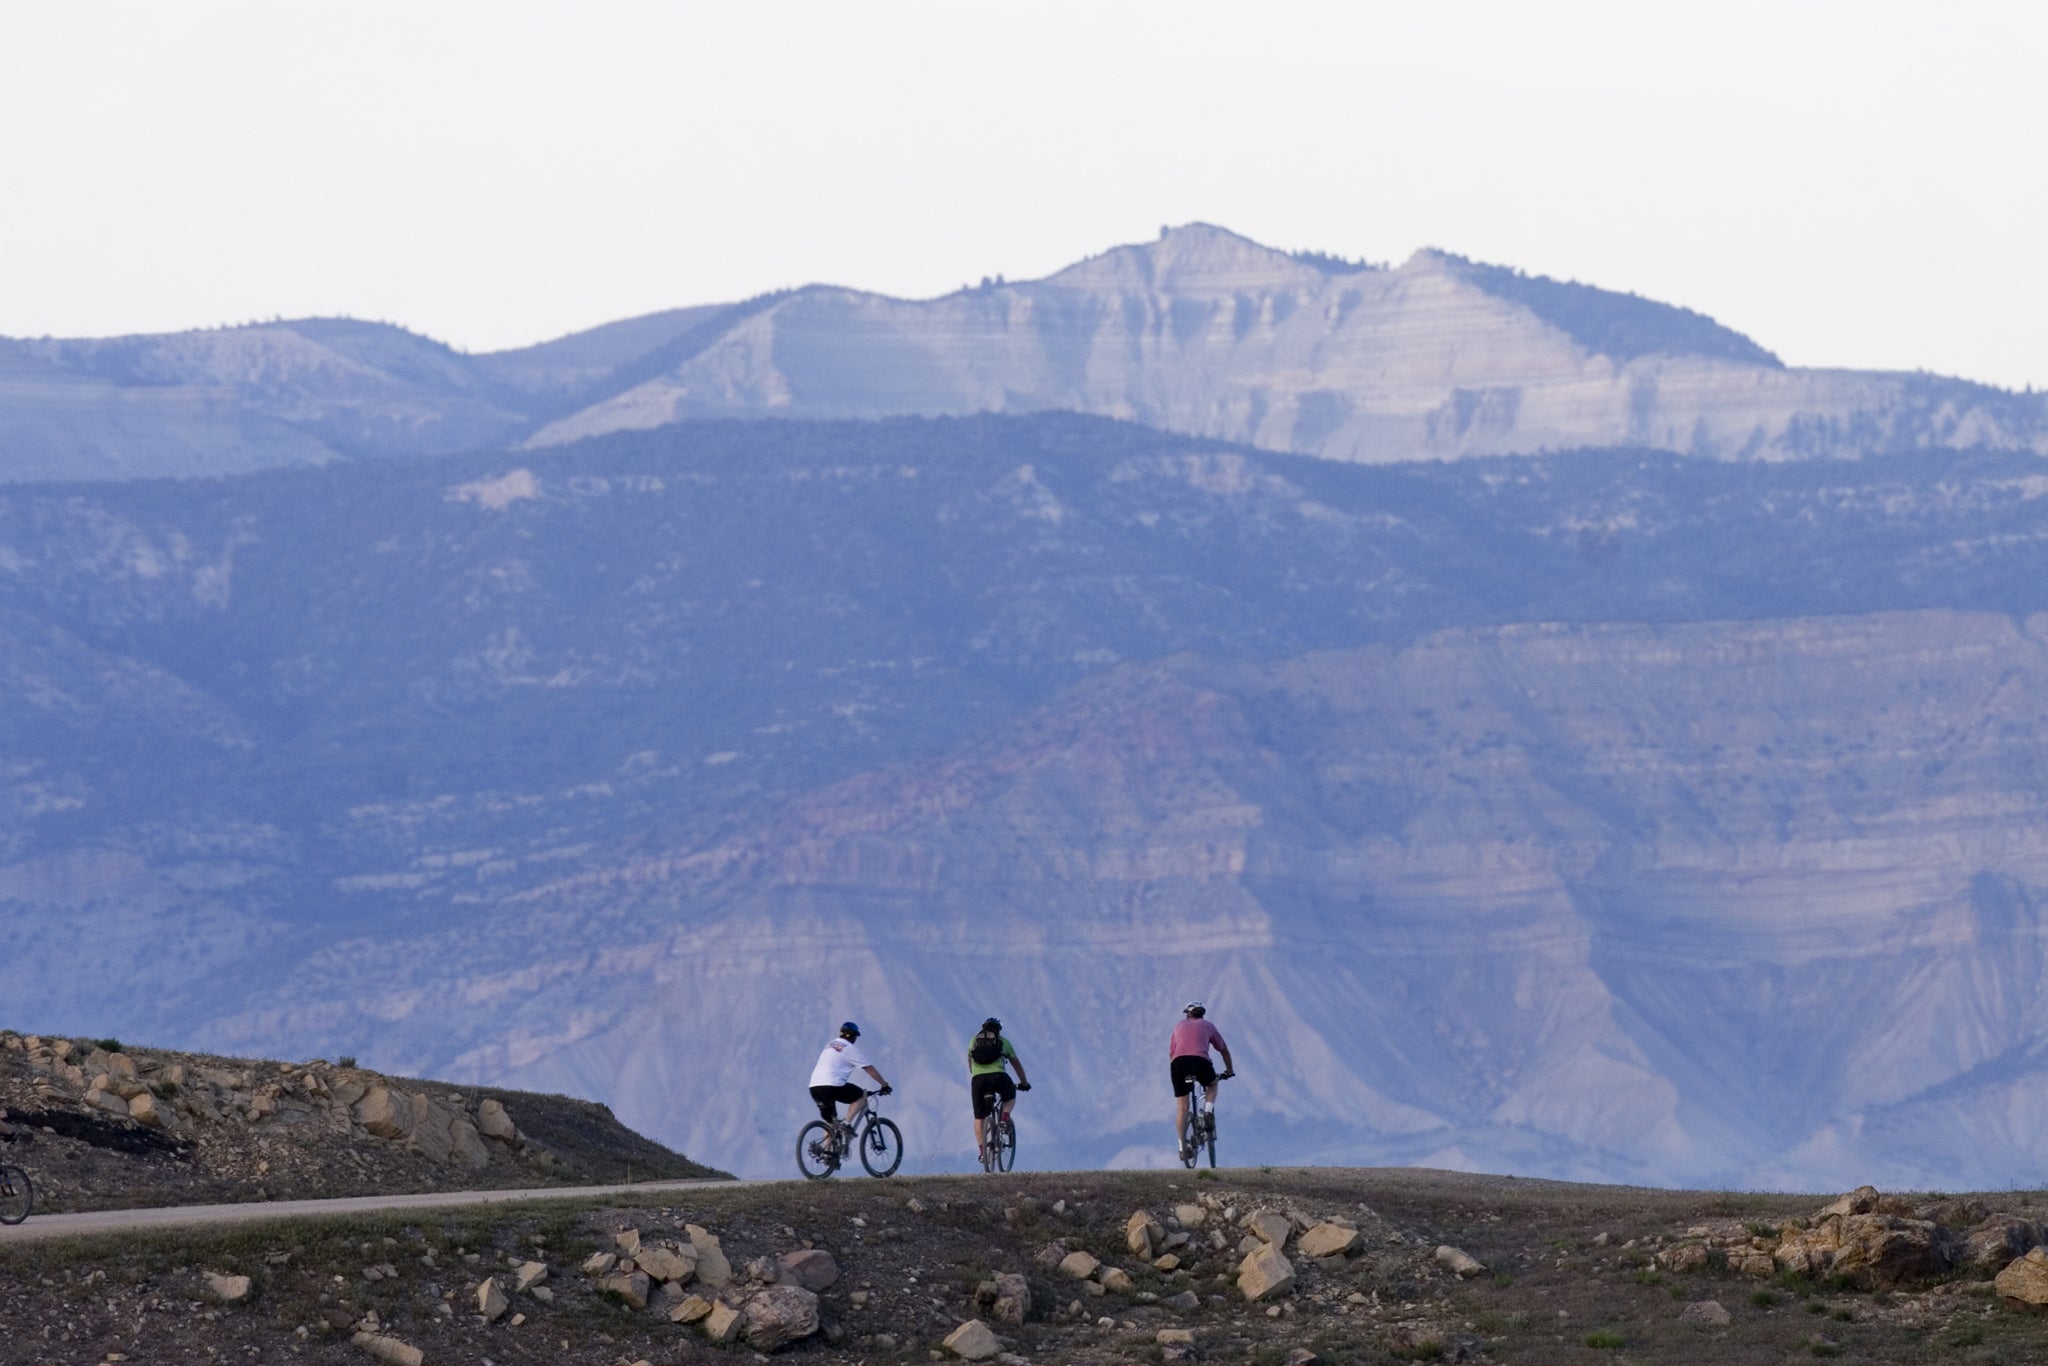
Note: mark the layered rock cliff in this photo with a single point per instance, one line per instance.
(1617, 814)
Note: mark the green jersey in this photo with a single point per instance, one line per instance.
(977, 1069)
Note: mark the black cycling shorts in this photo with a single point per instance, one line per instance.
(846, 1093)
(988, 1087)
(1187, 1071)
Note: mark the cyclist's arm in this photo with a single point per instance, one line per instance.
(1224, 1049)
(878, 1076)
(1017, 1066)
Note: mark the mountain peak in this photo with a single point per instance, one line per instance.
(1197, 258)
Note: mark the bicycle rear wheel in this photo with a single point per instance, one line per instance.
(815, 1156)
(17, 1196)
(1006, 1144)
(881, 1148)
(1209, 1136)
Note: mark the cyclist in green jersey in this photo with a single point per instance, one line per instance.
(988, 1055)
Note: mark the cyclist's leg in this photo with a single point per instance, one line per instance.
(1183, 1086)
(983, 1096)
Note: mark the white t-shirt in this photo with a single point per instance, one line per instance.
(839, 1061)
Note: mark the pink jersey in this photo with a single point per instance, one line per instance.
(1194, 1039)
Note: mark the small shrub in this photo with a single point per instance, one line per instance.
(1762, 1230)
(1969, 1335)
(1503, 1279)
(1427, 1350)
(1765, 1299)
(106, 1045)
(1816, 1307)
(1604, 1339)
(1824, 1348)
(345, 1060)
(1843, 1315)
(1648, 1275)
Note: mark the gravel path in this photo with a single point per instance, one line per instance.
(42, 1226)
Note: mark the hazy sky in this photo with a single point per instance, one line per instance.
(1861, 183)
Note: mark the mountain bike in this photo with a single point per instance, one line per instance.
(17, 1197)
(999, 1138)
(822, 1145)
(1201, 1133)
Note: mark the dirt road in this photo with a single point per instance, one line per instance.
(41, 1226)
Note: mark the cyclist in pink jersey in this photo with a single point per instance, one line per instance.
(1189, 1048)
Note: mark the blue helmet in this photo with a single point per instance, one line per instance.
(850, 1030)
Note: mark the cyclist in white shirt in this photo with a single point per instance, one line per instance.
(831, 1079)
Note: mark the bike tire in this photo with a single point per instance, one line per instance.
(1006, 1145)
(881, 1148)
(17, 1196)
(1209, 1139)
(813, 1159)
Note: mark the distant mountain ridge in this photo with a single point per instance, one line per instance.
(1201, 332)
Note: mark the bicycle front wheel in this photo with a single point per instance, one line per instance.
(1006, 1145)
(1209, 1137)
(815, 1156)
(17, 1197)
(881, 1148)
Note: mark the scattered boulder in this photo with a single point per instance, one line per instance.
(1707, 1313)
(1264, 1273)
(778, 1316)
(490, 1300)
(145, 1109)
(1688, 1257)
(973, 1341)
(1885, 1250)
(1459, 1262)
(1191, 1216)
(390, 1351)
(1142, 1233)
(598, 1263)
(1329, 1240)
(666, 1263)
(690, 1310)
(628, 1288)
(1079, 1265)
(2025, 1281)
(1184, 1337)
(528, 1275)
(723, 1323)
(627, 1240)
(1116, 1281)
(1270, 1226)
(813, 1268)
(1998, 1241)
(384, 1112)
(1186, 1302)
(713, 1268)
(222, 1288)
(1862, 1200)
(494, 1122)
(1008, 1297)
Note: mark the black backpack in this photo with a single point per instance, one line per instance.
(985, 1049)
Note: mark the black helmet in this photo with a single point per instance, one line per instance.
(850, 1030)
(991, 1025)
(1194, 1010)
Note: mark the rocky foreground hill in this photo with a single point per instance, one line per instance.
(1301, 1267)
(102, 1126)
